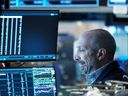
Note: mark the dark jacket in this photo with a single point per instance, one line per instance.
(112, 72)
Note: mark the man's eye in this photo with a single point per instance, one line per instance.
(81, 49)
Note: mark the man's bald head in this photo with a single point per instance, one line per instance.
(94, 49)
(99, 38)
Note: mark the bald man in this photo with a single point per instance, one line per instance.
(95, 51)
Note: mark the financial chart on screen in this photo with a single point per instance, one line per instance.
(28, 35)
(28, 82)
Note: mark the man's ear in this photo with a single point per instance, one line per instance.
(101, 54)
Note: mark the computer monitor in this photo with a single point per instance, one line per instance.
(28, 82)
(28, 35)
(111, 3)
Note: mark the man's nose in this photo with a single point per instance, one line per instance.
(76, 57)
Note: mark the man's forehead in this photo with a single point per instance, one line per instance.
(85, 41)
(82, 39)
(80, 42)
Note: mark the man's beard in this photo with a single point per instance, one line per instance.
(85, 68)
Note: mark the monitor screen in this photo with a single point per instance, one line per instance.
(85, 3)
(53, 3)
(117, 3)
(28, 35)
(28, 82)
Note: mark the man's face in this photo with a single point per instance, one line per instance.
(85, 55)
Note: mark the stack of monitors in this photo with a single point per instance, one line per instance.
(28, 35)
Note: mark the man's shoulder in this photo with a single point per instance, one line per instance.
(113, 72)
